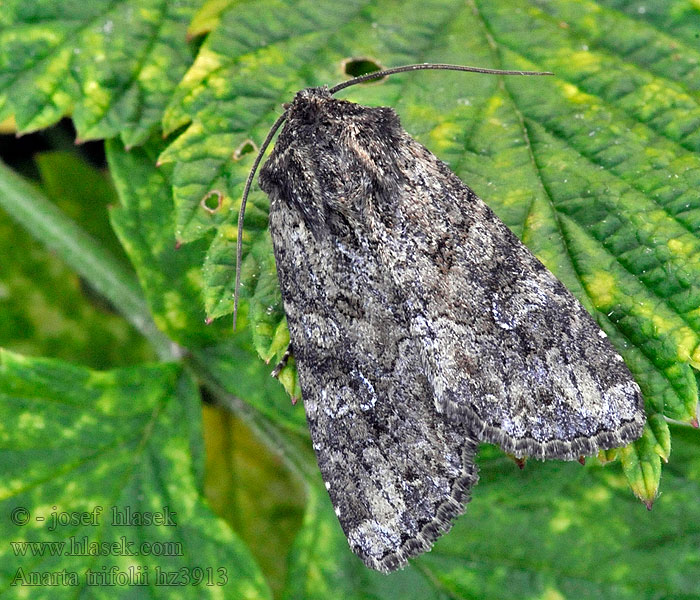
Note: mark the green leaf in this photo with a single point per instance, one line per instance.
(662, 436)
(111, 65)
(270, 335)
(553, 530)
(596, 168)
(642, 466)
(288, 376)
(207, 17)
(74, 440)
(641, 461)
(170, 274)
(220, 263)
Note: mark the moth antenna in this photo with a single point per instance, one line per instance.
(241, 212)
(422, 66)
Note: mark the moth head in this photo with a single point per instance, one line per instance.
(307, 103)
(315, 110)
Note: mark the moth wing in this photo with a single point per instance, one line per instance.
(508, 348)
(396, 470)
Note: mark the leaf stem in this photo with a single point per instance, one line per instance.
(27, 205)
(293, 454)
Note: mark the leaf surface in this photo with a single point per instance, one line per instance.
(553, 530)
(124, 440)
(596, 168)
(111, 64)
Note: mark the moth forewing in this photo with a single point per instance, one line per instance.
(421, 326)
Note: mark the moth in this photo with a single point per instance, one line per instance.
(421, 326)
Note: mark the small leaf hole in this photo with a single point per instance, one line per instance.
(212, 201)
(354, 67)
(247, 147)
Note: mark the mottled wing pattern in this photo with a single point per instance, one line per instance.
(420, 324)
(396, 470)
(509, 349)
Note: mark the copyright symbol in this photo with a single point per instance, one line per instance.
(20, 516)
